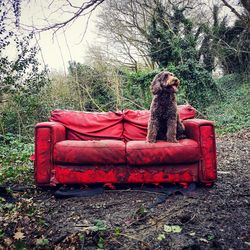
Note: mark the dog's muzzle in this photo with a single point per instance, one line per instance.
(174, 83)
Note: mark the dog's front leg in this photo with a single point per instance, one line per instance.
(171, 130)
(180, 129)
(153, 128)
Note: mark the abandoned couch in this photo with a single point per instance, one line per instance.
(78, 147)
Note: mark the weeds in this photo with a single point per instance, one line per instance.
(232, 112)
(15, 166)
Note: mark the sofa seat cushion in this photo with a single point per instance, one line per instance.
(103, 152)
(162, 152)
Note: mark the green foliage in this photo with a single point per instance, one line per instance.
(19, 74)
(99, 226)
(212, 34)
(235, 47)
(15, 166)
(136, 90)
(93, 87)
(21, 79)
(171, 38)
(172, 229)
(173, 45)
(169, 229)
(231, 113)
(42, 242)
(198, 86)
(230, 44)
(100, 243)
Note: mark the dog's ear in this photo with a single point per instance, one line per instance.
(157, 83)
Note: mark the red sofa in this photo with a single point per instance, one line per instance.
(77, 147)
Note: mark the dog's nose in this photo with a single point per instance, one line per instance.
(176, 81)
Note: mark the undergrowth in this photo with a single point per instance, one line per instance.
(15, 165)
(231, 111)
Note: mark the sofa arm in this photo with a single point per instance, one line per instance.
(46, 135)
(203, 132)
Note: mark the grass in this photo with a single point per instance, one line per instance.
(231, 111)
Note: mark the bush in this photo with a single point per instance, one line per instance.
(197, 86)
(232, 112)
(135, 88)
(15, 166)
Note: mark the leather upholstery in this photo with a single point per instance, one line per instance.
(162, 152)
(109, 147)
(103, 152)
(90, 125)
(136, 121)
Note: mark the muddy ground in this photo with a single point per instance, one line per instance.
(206, 218)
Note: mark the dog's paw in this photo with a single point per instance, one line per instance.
(151, 140)
(172, 140)
(182, 136)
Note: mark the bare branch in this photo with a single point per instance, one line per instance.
(233, 10)
(84, 9)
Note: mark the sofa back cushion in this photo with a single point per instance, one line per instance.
(136, 121)
(83, 125)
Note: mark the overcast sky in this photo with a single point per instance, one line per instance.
(57, 50)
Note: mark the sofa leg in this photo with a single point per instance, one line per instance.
(110, 186)
(209, 184)
(184, 184)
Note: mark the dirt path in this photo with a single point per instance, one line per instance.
(208, 218)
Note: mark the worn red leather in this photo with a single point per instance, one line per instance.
(180, 173)
(203, 131)
(90, 125)
(103, 152)
(81, 147)
(46, 135)
(136, 121)
(162, 152)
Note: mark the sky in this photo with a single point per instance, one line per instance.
(65, 45)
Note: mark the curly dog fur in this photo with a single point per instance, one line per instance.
(164, 122)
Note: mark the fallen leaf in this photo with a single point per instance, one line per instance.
(172, 229)
(176, 229)
(247, 243)
(203, 240)
(8, 242)
(167, 229)
(42, 242)
(161, 237)
(19, 235)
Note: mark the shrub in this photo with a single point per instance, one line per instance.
(15, 166)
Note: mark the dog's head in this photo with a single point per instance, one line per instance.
(165, 81)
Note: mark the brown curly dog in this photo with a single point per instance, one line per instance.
(164, 122)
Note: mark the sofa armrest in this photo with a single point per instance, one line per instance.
(203, 132)
(46, 135)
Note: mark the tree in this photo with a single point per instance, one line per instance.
(124, 25)
(171, 37)
(92, 86)
(173, 45)
(21, 78)
(243, 14)
(21, 73)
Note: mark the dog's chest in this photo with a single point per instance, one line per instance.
(165, 107)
